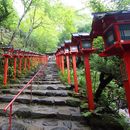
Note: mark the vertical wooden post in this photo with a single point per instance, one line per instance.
(88, 82)
(20, 65)
(5, 70)
(68, 69)
(126, 76)
(75, 72)
(15, 63)
(28, 63)
(62, 64)
(25, 63)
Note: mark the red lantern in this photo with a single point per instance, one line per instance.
(114, 27)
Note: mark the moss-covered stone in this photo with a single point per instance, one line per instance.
(74, 103)
(104, 122)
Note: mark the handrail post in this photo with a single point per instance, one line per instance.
(10, 117)
(31, 92)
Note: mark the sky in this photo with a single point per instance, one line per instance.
(19, 7)
(78, 4)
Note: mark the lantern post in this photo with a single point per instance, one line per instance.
(62, 59)
(20, 61)
(7, 54)
(28, 60)
(86, 49)
(15, 56)
(25, 61)
(59, 58)
(67, 53)
(74, 52)
(114, 27)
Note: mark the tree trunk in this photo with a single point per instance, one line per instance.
(103, 83)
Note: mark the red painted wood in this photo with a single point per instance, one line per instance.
(126, 58)
(68, 69)
(15, 63)
(88, 82)
(20, 65)
(22, 89)
(75, 73)
(62, 64)
(127, 92)
(28, 63)
(5, 71)
(25, 64)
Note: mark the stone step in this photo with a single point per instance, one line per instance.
(62, 93)
(42, 82)
(35, 111)
(44, 124)
(41, 79)
(41, 87)
(25, 99)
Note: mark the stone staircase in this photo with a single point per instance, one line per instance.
(52, 107)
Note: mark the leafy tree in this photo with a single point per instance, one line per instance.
(4, 9)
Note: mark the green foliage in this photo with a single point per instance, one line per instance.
(63, 77)
(10, 72)
(97, 6)
(123, 122)
(122, 4)
(87, 114)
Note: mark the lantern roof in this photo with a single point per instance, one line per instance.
(62, 45)
(75, 37)
(8, 48)
(84, 35)
(67, 41)
(102, 20)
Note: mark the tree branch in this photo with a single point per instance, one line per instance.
(20, 20)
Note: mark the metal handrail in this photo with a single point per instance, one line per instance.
(15, 97)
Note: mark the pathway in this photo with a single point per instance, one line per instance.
(53, 107)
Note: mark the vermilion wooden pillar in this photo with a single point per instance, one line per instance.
(126, 76)
(62, 64)
(88, 82)
(127, 92)
(5, 70)
(75, 72)
(15, 64)
(28, 63)
(20, 65)
(25, 64)
(68, 69)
